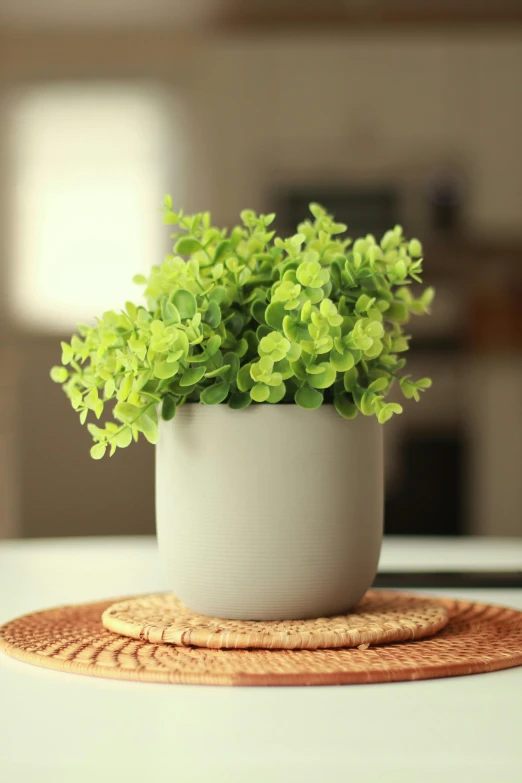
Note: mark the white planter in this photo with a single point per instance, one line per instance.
(269, 513)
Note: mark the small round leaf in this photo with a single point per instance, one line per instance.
(276, 393)
(239, 400)
(213, 345)
(98, 450)
(59, 374)
(244, 379)
(192, 376)
(326, 378)
(187, 245)
(212, 315)
(168, 408)
(260, 392)
(165, 370)
(123, 438)
(350, 379)
(342, 362)
(215, 394)
(344, 406)
(308, 398)
(186, 303)
(274, 315)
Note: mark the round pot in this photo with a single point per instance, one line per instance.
(269, 513)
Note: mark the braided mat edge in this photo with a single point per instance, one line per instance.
(478, 638)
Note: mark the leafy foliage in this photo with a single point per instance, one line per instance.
(247, 318)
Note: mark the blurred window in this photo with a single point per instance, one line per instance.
(91, 162)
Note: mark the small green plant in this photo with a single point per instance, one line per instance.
(246, 317)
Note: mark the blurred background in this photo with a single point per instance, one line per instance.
(385, 111)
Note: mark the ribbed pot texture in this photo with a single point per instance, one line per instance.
(269, 513)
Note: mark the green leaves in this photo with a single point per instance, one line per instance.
(109, 389)
(350, 379)
(398, 312)
(125, 387)
(244, 378)
(325, 378)
(67, 353)
(308, 398)
(415, 248)
(341, 362)
(239, 400)
(387, 411)
(276, 393)
(257, 311)
(218, 371)
(274, 315)
(212, 315)
(263, 372)
(192, 376)
(231, 362)
(345, 406)
(288, 292)
(310, 273)
(215, 394)
(187, 245)
(220, 250)
(378, 385)
(275, 346)
(123, 437)
(185, 303)
(411, 389)
(317, 210)
(98, 451)
(138, 347)
(165, 370)
(59, 374)
(366, 403)
(213, 345)
(127, 413)
(169, 313)
(147, 423)
(260, 392)
(168, 408)
(247, 317)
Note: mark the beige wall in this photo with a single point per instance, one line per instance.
(298, 108)
(258, 110)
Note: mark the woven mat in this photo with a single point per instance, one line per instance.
(478, 638)
(381, 617)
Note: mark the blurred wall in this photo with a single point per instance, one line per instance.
(260, 110)
(293, 108)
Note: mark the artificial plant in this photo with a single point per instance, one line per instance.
(246, 317)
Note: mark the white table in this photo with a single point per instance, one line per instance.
(64, 728)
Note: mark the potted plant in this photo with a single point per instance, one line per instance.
(261, 367)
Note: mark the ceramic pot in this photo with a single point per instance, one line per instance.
(269, 513)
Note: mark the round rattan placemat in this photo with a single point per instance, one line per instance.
(381, 617)
(478, 638)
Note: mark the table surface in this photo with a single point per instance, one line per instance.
(64, 728)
